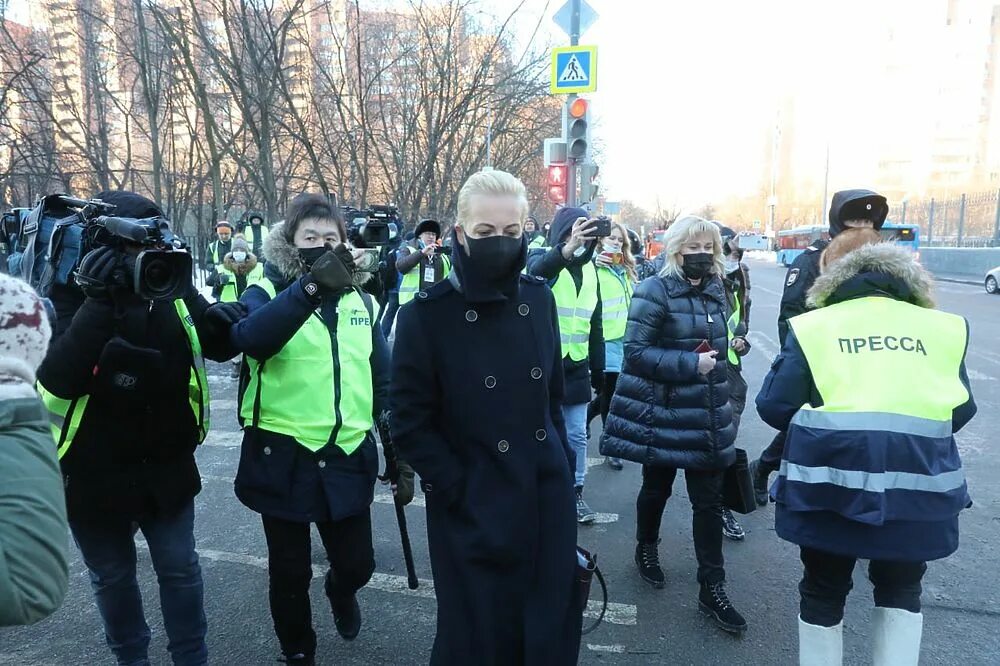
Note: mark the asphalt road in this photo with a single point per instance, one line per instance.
(644, 626)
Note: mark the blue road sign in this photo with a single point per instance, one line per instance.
(564, 17)
(574, 70)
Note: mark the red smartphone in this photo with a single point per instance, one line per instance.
(703, 348)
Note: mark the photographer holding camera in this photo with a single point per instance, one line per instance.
(422, 263)
(127, 393)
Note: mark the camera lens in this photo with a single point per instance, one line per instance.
(158, 277)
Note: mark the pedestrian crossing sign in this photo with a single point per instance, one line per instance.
(574, 70)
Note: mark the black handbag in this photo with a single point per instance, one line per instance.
(737, 485)
(586, 569)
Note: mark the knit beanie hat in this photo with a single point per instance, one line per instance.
(24, 337)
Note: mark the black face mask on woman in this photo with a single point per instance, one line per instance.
(496, 257)
(697, 266)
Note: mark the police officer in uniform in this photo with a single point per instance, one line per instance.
(572, 275)
(871, 388)
(848, 209)
(478, 389)
(317, 376)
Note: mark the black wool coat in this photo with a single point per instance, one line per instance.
(665, 413)
(477, 390)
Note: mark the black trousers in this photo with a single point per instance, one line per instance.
(349, 550)
(389, 313)
(770, 458)
(602, 403)
(828, 579)
(705, 491)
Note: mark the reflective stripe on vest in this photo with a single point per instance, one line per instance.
(538, 243)
(616, 297)
(65, 416)
(410, 284)
(318, 387)
(229, 294)
(575, 311)
(733, 323)
(889, 376)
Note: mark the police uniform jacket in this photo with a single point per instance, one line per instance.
(477, 392)
(858, 512)
(798, 280)
(664, 412)
(277, 476)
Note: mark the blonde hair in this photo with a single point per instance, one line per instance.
(490, 183)
(681, 232)
(627, 259)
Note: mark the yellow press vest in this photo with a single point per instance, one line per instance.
(66, 416)
(229, 294)
(410, 285)
(616, 296)
(575, 311)
(318, 387)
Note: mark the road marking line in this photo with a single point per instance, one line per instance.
(757, 287)
(223, 405)
(613, 649)
(623, 614)
(765, 343)
(975, 374)
(419, 501)
(224, 439)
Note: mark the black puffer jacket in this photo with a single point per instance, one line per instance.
(664, 413)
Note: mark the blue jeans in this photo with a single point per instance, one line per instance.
(108, 549)
(576, 432)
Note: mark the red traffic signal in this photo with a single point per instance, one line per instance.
(557, 183)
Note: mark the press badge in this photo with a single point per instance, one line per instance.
(429, 275)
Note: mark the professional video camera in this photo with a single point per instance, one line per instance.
(162, 266)
(377, 225)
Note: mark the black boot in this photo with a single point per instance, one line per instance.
(759, 473)
(714, 603)
(647, 558)
(346, 611)
(298, 659)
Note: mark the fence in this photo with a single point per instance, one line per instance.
(968, 220)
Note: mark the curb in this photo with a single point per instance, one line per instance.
(959, 280)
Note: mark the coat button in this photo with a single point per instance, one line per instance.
(523, 309)
(491, 382)
(536, 373)
(541, 435)
(503, 446)
(471, 316)
(422, 295)
(267, 450)
(322, 464)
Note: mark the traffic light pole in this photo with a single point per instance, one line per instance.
(574, 40)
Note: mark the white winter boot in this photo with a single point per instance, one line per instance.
(896, 634)
(820, 646)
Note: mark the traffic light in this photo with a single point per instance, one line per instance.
(577, 128)
(589, 186)
(557, 179)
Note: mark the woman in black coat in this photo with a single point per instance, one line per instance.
(477, 392)
(671, 408)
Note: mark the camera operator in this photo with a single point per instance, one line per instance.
(126, 390)
(422, 263)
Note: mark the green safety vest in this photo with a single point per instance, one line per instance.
(616, 296)
(575, 310)
(318, 388)
(733, 323)
(229, 294)
(859, 350)
(410, 285)
(250, 236)
(67, 415)
(213, 249)
(538, 243)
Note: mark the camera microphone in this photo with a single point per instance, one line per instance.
(128, 229)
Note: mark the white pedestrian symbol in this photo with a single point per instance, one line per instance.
(573, 72)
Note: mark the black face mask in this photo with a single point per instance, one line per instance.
(697, 266)
(309, 255)
(496, 257)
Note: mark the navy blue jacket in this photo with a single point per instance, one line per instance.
(664, 412)
(548, 264)
(477, 392)
(277, 476)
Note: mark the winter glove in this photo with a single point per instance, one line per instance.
(219, 318)
(223, 279)
(333, 271)
(404, 487)
(100, 271)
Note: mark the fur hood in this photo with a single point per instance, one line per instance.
(283, 256)
(244, 268)
(891, 263)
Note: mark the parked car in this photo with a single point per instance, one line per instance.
(993, 281)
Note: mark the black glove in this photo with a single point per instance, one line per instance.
(334, 270)
(100, 271)
(219, 318)
(223, 279)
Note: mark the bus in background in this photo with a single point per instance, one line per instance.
(793, 242)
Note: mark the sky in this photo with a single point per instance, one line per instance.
(688, 89)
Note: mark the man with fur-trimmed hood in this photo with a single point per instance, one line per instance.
(871, 386)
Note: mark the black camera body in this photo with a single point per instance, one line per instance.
(377, 226)
(163, 266)
(603, 227)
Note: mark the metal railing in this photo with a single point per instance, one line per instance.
(968, 220)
